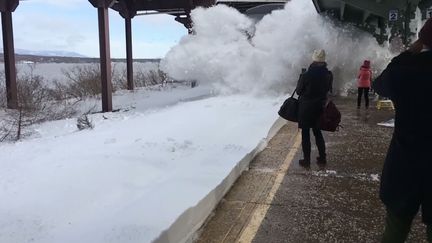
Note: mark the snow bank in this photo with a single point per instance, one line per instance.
(185, 227)
(389, 123)
(132, 176)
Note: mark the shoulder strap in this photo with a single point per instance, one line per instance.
(292, 95)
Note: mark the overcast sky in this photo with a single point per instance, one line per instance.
(71, 25)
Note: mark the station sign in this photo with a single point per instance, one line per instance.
(393, 15)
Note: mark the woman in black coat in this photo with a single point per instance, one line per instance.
(312, 88)
(406, 182)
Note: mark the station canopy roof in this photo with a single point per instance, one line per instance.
(175, 7)
(244, 5)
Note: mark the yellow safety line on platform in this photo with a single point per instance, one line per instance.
(249, 232)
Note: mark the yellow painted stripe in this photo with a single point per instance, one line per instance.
(249, 232)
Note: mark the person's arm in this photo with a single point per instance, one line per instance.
(371, 82)
(383, 84)
(330, 78)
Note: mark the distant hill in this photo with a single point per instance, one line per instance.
(46, 53)
(22, 55)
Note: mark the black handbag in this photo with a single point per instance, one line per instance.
(289, 109)
(330, 118)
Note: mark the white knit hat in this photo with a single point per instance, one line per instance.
(319, 56)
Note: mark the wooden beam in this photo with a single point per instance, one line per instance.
(127, 10)
(407, 20)
(129, 56)
(8, 5)
(365, 16)
(342, 10)
(9, 60)
(102, 3)
(204, 3)
(371, 6)
(6, 8)
(317, 6)
(104, 49)
(105, 59)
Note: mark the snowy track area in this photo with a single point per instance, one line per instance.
(130, 177)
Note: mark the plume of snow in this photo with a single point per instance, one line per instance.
(236, 54)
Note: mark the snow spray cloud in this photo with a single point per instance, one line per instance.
(237, 55)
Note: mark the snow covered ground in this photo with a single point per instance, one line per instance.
(389, 123)
(130, 177)
(139, 169)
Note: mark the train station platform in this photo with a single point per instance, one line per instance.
(277, 200)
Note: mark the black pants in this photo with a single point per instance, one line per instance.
(306, 144)
(397, 229)
(366, 96)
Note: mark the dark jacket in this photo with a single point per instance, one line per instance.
(312, 89)
(406, 179)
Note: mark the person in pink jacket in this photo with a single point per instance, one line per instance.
(364, 83)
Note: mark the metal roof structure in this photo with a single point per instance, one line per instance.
(178, 8)
(258, 12)
(376, 15)
(243, 5)
(161, 5)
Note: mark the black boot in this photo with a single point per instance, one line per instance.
(304, 163)
(321, 160)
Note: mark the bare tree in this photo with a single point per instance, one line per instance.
(83, 81)
(35, 105)
(84, 122)
(141, 78)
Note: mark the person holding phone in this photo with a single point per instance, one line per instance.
(406, 181)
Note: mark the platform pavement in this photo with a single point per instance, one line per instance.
(277, 200)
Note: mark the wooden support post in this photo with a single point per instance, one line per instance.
(407, 20)
(104, 47)
(365, 16)
(105, 59)
(9, 60)
(383, 33)
(129, 57)
(342, 11)
(317, 6)
(127, 11)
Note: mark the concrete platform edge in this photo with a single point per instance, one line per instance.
(185, 227)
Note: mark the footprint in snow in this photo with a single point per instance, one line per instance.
(110, 141)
